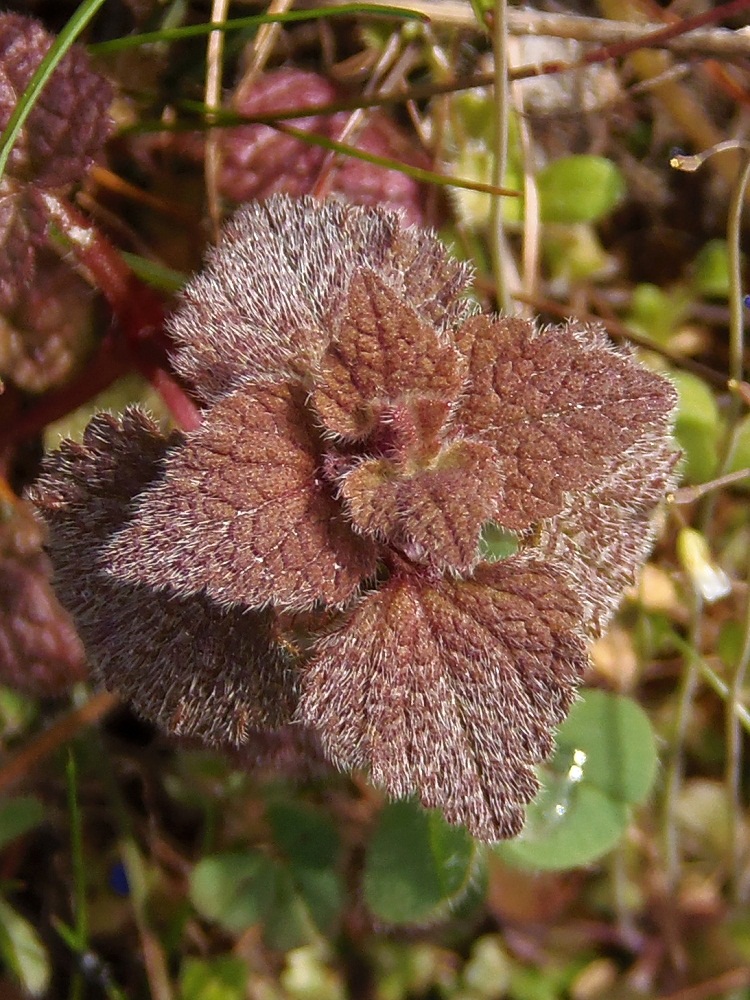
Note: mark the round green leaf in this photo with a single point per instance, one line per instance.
(579, 189)
(235, 890)
(605, 762)
(697, 428)
(711, 270)
(566, 828)
(616, 737)
(416, 865)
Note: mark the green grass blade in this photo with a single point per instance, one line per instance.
(159, 276)
(44, 71)
(81, 932)
(418, 173)
(253, 21)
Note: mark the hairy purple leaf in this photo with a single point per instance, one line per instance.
(557, 404)
(264, 307)
(192, 666)
(450, 689)
(383, 356)
(603, 536)
(244, 516)
(437, 513)
(70, 120)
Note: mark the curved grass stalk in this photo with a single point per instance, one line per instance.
(418, 173)
(733, 770)
(736, 359)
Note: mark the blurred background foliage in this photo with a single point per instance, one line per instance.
(136, 867)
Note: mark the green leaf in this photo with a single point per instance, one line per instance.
(310, 845)
(306, 836)
(711, 270)
(740, 460)
(574, 253)
(497, 543)
(697, 427)
(616, 735)
(159, 276)
(296, 897)
(221, 978)
(579, 189)
(19, 815)
(655, 313)
(23, 951)
(566, 827)
(605, 762)
(235, 890)
(288, 924)
(416, 866)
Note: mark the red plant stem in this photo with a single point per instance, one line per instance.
(137, 308)
(139, 314)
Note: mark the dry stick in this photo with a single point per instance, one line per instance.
(59, 733)
(212, 100)
(719, 42)
(112, 182)
(358, 118)
(500, 117)
(671, 31)
(643, 37)
(679, 101)
(262, 47)
(689, 494)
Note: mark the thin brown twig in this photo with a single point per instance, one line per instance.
(263, 45)
(212, 98)
(687, 41)
(500, 119)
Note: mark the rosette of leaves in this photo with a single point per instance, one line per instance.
(312, 551)
(63, 134)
